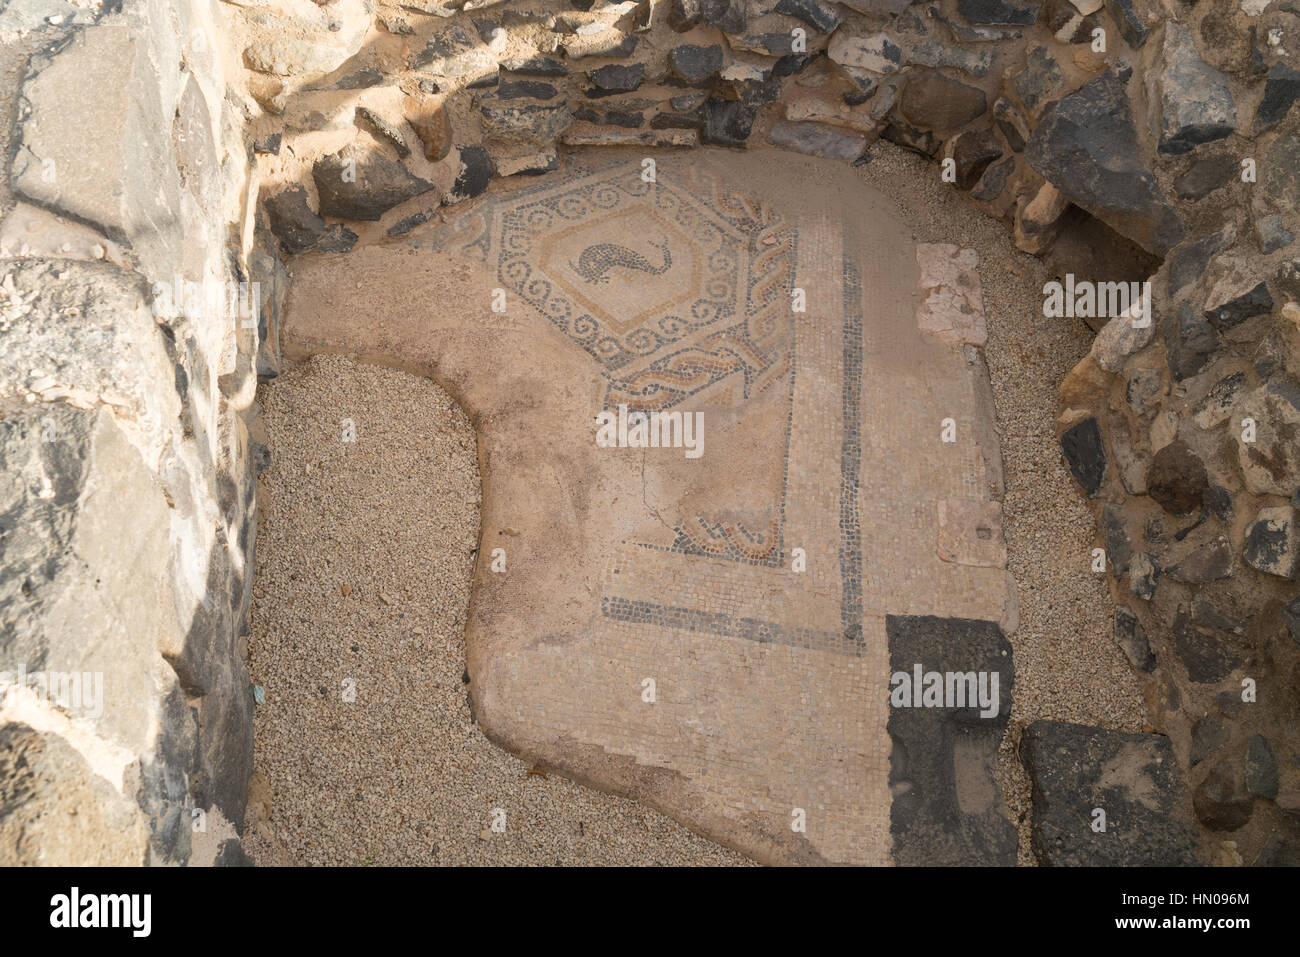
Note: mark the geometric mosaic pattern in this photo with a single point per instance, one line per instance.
(821, 440)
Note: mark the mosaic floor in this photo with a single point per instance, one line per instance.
(706, 634)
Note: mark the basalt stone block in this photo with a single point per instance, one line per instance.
(1011, 123)
(726, 122)
(1205, 176)
(1133, 778)
(1206, 658)
(1291, 618)
(617, 78)
(1144, 575)
(822, 17)
(1195, 102)
(933, 54)
(630, 119)
(1085, 454)
(999, 12)
(994, 181)
(536, 66)
(817, 139)
(525, 90)
(1132, 640)
(1280, 171)
(454, 53)
(1281, 90)
(946, 809)
(476, 170)
(973, 152)
(933, 101)
(1177, 479)
(1188, 263)
(1272, 233)
(1207, 562)
(876, 53)
(697, 65)
(902, 133)
(1272, 541)
(384, 130)
(1086, 146)
(1261, 768)
(1039, 81)
(1236, 307)
(1208, 735)
(1119, 547)
(536, 124)
(299, 229)
(725, 15)
(1221, 801)
(1131, 26)
(357, 183)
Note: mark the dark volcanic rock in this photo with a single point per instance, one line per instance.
(899, 131)
(615, 78)
(1144, 575)
(384, 130)
(696, 65)
(1208, 735)
(476, 169)
(1281, 90)
(1255, 301)
(1207, 563)
(356, 183)
(536, 66)
(1039, 81)
(1133, 778)
(299, 229)
(1205, 176)
(1119, 548)
(933, 101)
(946, 809)
(1272, 233)
(990, 187)
(625, 118)
(1002, 12)
(1132, 640)
(726, 122)
(1291, 618)
(1207, 660)
(1221, 800)
(1261, 768)
(823, 17)
(725, 15)
(1085, 454)
(1195, 103)
(1188, 263)
(974, 151)
(1086, 146)
(1131, 27)
(1280, 171)
(1176, 479)
(525, 90)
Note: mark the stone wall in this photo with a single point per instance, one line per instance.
(1126, 140)
(1120, 137)
(127, 531)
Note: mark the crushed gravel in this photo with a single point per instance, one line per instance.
(364, 556)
